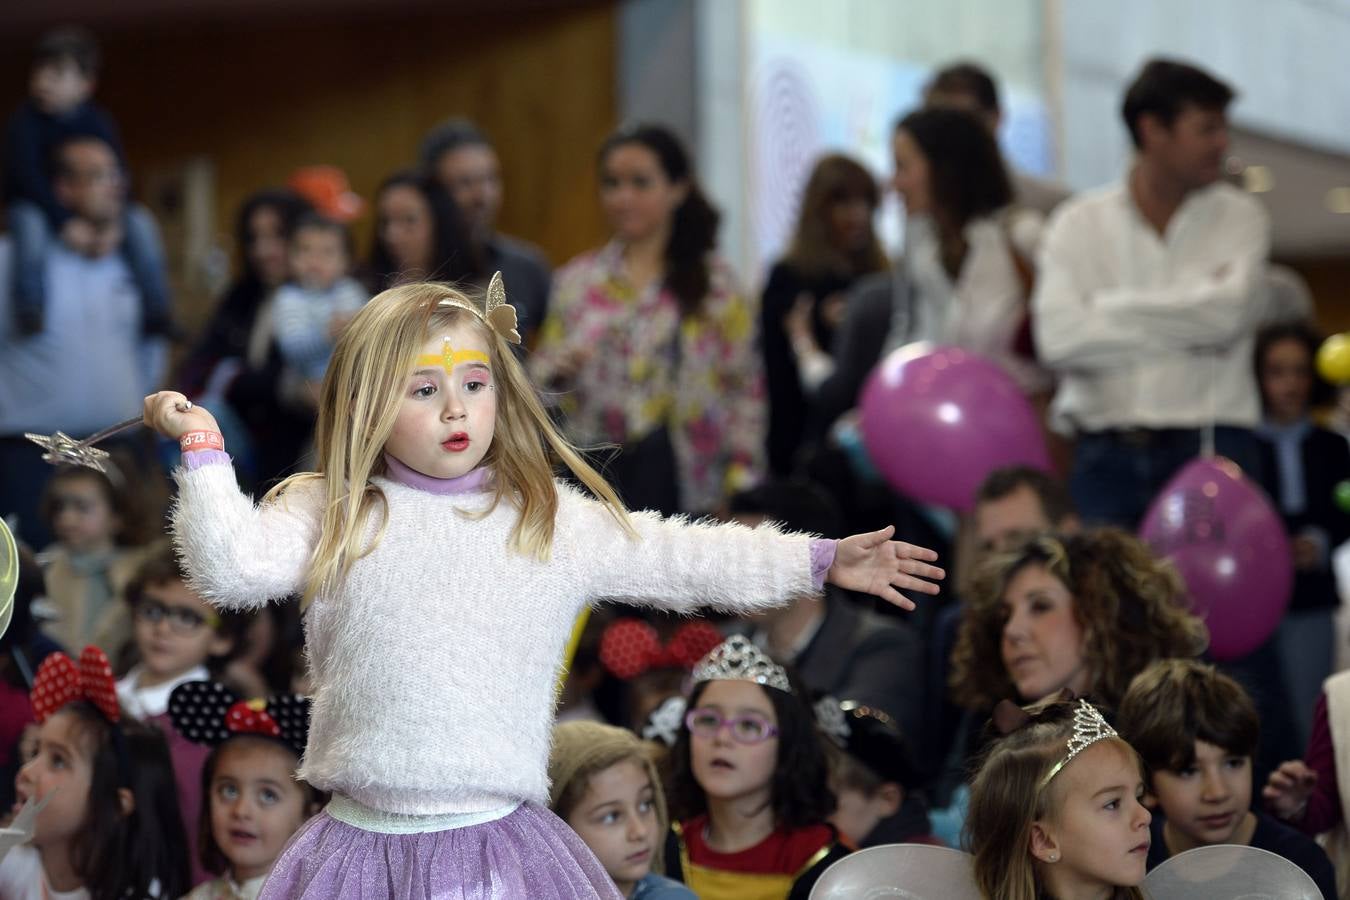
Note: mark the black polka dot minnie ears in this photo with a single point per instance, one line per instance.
(207, 712)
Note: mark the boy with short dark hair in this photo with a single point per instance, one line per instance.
(1196, 730)
(60, 107)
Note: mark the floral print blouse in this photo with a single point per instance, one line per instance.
(706, 385)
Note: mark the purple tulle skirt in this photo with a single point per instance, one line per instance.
(529, 852)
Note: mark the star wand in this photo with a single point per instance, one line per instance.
(62, 449)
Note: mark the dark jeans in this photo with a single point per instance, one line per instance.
(32, 236)
(1117, 474)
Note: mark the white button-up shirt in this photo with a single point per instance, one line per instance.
(1150, 330)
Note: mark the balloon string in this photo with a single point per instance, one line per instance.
(1207, 433)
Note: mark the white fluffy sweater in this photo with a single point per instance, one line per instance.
(434, 663)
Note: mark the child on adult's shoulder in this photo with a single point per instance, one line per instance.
(101, 539)
(873, 777)
(179, 638)
(310, 310)
(604, 785)
(254, 802)
(60, 106)
(748, 780)
(1056, 807)
(429, 429)
(111, 826)
(1196, 730)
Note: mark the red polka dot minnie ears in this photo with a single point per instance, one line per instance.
(60, 682)
(630, 647)
(207, 712)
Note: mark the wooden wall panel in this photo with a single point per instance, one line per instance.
(258, 99)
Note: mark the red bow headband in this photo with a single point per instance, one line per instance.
(207, 712)
(60, 682)
(630, 647)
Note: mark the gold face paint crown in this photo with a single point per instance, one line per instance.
(1088, 728)
(499, 315)
(737, 659)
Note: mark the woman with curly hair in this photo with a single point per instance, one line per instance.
(1086, 612)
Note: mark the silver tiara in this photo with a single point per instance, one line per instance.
(737, 659)
(1088, 728)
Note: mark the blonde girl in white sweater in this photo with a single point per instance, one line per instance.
(442, 565)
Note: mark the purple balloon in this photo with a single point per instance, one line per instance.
(1227, 540)
(937, 420)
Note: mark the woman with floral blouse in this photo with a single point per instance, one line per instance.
(649, 345)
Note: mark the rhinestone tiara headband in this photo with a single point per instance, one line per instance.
(737, 659)
(1088, 728)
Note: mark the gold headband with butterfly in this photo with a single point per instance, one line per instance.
(499, 315)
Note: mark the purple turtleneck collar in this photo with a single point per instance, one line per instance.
(471, 483)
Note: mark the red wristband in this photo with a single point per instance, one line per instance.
(201, 440)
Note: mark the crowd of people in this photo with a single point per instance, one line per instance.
(227, 677)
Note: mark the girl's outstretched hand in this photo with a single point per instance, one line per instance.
(875, 564)
(169, 413)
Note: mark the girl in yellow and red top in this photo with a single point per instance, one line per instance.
(748, 783)
(649, 343)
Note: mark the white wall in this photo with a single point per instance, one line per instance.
(1288, 59)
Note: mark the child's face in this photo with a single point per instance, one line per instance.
(1042, 641)
(1207, 803)
(1287, 379)
(724, 767)
(616, 817)
(58, 86)
(318, 258)
(82, 518)
(858, 812)
(256, 804)
(64, 764)
(175, 631)
(446, 421)
(1099, 833)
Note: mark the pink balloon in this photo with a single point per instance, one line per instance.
(1229, 544)
(937, 420)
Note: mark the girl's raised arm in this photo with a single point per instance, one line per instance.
(682, 566)
(237, 555)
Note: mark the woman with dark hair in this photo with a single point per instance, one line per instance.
(966, 274)
(966, 257)
(748, 783)
(1303, 465)
(237, 357)
(834, 244)
(420, 234)
(649, 343)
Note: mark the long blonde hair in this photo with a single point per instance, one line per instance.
(360, 400)
(1008, 795)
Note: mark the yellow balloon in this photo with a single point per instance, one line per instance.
(1333, 359)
